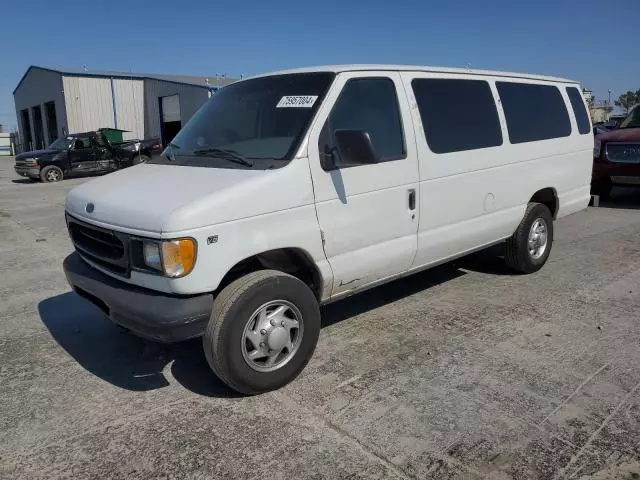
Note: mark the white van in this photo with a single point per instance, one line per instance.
(294, 189)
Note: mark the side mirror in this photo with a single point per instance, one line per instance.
(355, 148)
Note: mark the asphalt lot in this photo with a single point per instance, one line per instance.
(464, 371)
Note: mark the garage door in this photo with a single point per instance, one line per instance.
(171, 108)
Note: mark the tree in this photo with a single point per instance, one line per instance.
(628, 100)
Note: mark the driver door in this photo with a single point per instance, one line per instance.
(82, 155)
(367, 213)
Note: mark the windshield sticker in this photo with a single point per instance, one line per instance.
(298, 101)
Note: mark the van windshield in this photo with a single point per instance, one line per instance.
(254, 120)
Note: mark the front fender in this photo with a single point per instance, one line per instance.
(222, 246)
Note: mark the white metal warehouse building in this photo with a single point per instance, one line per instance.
(51, 103)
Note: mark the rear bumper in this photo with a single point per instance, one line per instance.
(147, 313)
(31, 172)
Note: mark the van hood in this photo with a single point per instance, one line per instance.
(170, 198)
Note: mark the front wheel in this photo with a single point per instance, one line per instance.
(263, 330)
(51, 173)
(527, 250)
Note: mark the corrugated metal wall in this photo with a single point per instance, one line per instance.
(37, 88)
(89, 103)
(191, 99)
(129, 101)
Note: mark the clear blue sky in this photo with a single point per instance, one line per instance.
(594, 42)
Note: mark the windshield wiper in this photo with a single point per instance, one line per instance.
(230, 155)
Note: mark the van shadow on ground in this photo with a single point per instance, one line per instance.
(132, 363)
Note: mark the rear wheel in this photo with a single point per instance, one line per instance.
(263, 330)
(527, 250)
(51, 173)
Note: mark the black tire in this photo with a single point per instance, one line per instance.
(140, 159)
(232, 310)
(517, 255)
(602, 188)
(51, 173)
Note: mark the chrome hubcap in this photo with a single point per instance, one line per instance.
(537, 242)
(272, 335)
(53, 176)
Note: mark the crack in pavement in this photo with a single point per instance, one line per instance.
(575, 392)
(592, 437)
(365, 449)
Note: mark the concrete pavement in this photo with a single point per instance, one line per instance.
(464, 371)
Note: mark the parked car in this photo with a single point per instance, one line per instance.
(84, 153)
(616, 156)
(299, 188)
(601, 127)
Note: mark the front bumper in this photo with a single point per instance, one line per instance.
(26, 171)
(147, 313)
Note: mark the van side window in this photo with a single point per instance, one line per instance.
(579, 110)
(533, 112)
(368, 104)
(457, 114)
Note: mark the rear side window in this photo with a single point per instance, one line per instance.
(533, 112)
(579, 110)
(370, 104)
(457, 114)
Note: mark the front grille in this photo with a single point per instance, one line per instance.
(103, 247)
(623, 152)
(28, 162)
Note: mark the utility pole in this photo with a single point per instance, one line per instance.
(609, 105)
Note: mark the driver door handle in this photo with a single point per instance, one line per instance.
(412, 199)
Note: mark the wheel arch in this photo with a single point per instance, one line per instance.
(292, 260)
(547, 196)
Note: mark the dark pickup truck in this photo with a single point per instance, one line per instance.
(616, 156)
(84, 153)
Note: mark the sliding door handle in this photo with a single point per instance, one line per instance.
(412, 199)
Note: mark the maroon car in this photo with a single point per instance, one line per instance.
(616, 156)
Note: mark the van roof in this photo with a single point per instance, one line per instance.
(413, 68)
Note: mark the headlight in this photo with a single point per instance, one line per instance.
(151, 251)
(174, 258)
